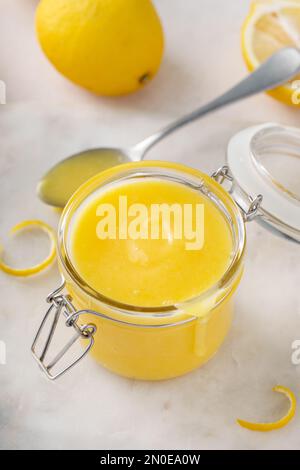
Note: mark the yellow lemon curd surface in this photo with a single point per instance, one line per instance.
(152, 273)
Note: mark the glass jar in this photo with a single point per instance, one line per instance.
(165, 342)
(150, 343)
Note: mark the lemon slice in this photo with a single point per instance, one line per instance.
(276, 424)
(40, 266)
(270, 26)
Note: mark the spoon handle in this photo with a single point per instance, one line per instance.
(277, 70)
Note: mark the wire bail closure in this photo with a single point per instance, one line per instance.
(61, 304)
(222, 175)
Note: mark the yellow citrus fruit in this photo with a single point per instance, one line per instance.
(24, 272)
(270, 26)
(276, 424)
(110, 47)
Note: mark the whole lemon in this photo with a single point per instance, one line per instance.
(110, 47)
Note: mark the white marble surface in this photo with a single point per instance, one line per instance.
(47, 118)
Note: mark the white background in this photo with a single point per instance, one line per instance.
(47, 118)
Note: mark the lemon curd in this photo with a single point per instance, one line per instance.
(160, 309)
(151, 272)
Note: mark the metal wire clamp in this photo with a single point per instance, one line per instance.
(61, 305)
(249, 206)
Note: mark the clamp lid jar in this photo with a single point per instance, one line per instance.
(160, 340)
(147, 340)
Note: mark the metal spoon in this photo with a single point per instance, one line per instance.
(63, 179)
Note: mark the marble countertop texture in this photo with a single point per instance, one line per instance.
(47, 118)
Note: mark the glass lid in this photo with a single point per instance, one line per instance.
(265, 160)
